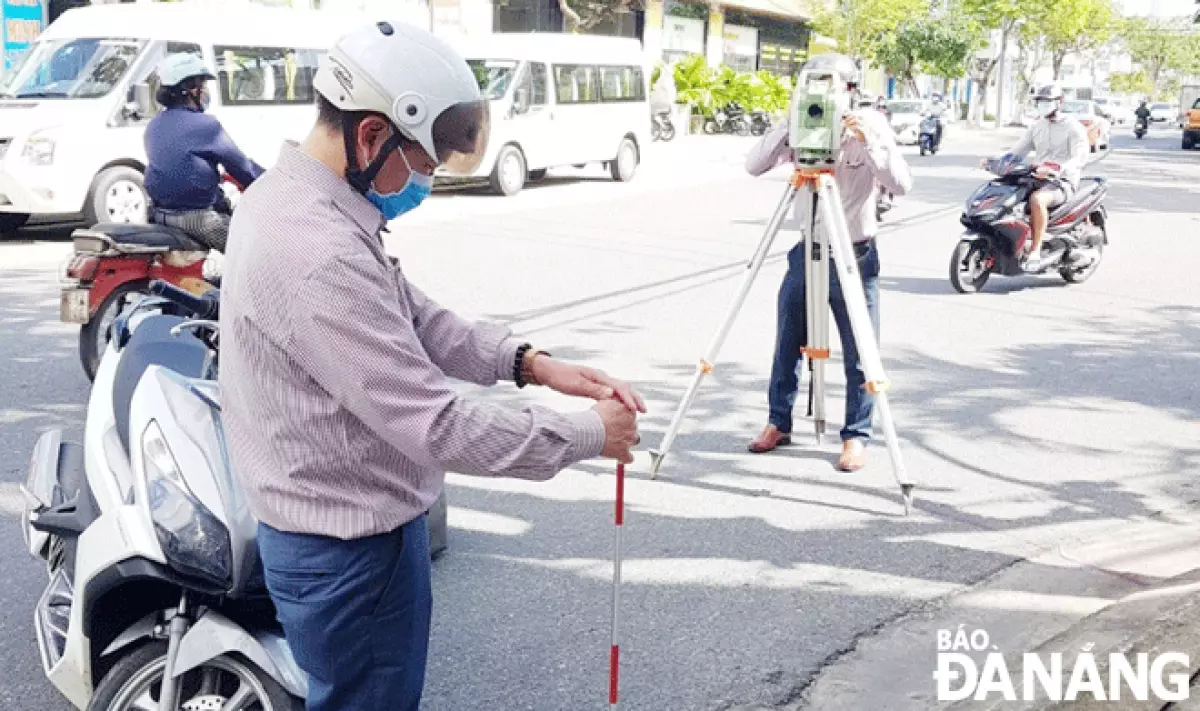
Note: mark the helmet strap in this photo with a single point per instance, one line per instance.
(361, 179)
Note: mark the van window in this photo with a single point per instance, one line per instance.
(622, 84)
(575, 84)
(72, 68)
(493, 76)
(538, 71)
(266, 75)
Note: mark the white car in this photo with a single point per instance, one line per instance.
(1116, 113)
(1098, 127)
(906, 115)
(1162, 113)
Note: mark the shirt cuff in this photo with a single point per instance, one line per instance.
(506, 354)
(588, 442)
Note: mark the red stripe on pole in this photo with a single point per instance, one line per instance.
(613, 665)
(620, 513)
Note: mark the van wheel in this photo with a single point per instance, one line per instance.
(626, 163)
(118, 195)
(508, 177)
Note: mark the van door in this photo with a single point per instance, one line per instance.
(534, 113)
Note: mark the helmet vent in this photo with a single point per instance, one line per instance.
(386, 28)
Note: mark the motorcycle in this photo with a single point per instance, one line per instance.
(113, 264)
(760, 123)
(998, 227)
(1140, 128)
(661, 128)
(156, 598)
(731, 119)
(929, 139)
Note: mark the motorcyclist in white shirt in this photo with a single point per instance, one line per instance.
(937, 109)
(1060, 144)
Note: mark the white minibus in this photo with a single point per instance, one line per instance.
(558, 100)
(73, 112)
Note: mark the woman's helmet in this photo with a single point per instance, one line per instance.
(419, 83)
(178, 68)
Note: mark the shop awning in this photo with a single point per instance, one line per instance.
(792, 9)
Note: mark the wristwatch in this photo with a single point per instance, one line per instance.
(523, 365)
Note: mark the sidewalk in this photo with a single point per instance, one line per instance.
(1128, 591)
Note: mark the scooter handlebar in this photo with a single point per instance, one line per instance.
(203, 307)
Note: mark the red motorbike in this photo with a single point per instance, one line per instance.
(998, 228)
(112, 268)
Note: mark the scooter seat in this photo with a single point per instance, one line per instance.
(1087, 186)
(153, 344)
(149, 235)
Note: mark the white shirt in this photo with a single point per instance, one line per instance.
(1063, 140)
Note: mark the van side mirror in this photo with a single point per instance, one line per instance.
(139, 104)
(521, 100)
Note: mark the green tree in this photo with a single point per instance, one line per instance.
(860, 25)
(988, 15)
(1158, 45)
(584, 15)
(1130, 83)
(939, 46)
(1072, 26)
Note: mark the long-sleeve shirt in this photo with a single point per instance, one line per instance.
(860, 170)
(184, 149)
(335, 370)
(1063, 140)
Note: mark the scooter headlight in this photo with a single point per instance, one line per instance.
(194, 541)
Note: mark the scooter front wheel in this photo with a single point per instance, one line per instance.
(968, 272)
(134, 681)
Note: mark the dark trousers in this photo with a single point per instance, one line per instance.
(355, 614)
(792, 333)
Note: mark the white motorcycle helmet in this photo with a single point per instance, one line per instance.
(419, 83)
(1048, 99)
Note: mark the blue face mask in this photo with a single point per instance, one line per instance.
(393, 205)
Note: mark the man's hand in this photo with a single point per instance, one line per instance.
(584, 382)
(620, 430)
(852, 124)
(1045, 171)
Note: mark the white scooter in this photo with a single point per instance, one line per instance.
(156, 600)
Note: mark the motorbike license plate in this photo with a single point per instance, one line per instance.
(73, 306)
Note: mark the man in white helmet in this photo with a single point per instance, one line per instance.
(336, 371)
(1060, 144)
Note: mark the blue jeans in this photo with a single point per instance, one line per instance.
(355, 613)
(792, 333)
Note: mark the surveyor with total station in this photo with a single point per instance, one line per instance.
(869, 158)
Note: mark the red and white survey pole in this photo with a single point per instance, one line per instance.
(614, 658)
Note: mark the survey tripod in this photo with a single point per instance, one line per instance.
(832, 241)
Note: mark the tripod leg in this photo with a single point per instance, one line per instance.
(864, 333)
(706, 363)
(816, 293)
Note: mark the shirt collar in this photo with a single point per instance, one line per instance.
(316, 174)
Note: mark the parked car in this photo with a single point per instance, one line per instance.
(906, 118)
(1098, 127)
(1191, 128)
(1117, 113)
(1162, 113)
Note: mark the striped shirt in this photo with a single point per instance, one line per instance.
(335, 370)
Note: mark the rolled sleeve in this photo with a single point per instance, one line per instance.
(347, 334)
(589, 435)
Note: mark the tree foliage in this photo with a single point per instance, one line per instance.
(1068, 26)
(1161, 46)
(584, 15)
(859, 26)
(940, 46)
(710, 89)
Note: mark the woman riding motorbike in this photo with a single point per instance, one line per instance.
(187, 149)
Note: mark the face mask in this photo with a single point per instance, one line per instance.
(393, 205)
(1045, 108)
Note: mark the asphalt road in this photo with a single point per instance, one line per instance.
(1032, 413)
